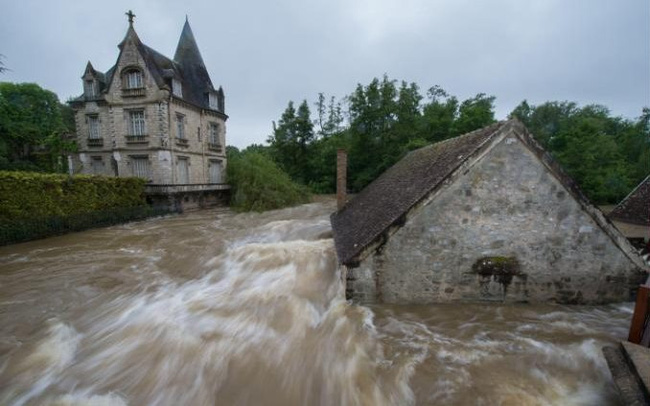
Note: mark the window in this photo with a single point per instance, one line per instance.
(212, 101)
(133, 79)
(215, 172)
(183, 171)
(180, 126)
(93, 127)
(213, 137)
(140, 166)
(89, 88)
(177, 89)
(97, 165)
(136, 122)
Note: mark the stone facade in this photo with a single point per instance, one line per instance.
(168, 125)
(502, 208)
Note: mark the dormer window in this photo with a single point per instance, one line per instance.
(177, 89)
(133, 79)
(90, 88)
(213, 101)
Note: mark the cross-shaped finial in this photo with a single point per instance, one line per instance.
(131, 16)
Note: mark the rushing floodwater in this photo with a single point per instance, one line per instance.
(216, 308)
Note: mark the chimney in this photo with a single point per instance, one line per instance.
(341, 177)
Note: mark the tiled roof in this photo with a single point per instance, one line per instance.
(386, 200)
(635, 208)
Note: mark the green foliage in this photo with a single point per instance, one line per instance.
(607, 156)
(33, 228)
(33, 125)
(28, 195)
(258, 184)
(290, 141)
(385, 120)
(35, 205)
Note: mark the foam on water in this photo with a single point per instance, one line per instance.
(250, 309)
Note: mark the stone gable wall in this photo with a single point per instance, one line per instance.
(509, 208)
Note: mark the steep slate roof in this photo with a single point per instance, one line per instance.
(196, 80)
(187, 67)
(388, 198)
(635, 208)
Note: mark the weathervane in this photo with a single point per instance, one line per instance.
(131, 16)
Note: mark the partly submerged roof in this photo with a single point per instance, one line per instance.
(384, 202)
(635, 208)
(367, 220)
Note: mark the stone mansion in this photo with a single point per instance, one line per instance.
(152, 117)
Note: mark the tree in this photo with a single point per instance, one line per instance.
(605, 155)
(474, 113)
(32, 126)
(438, 115)
(3, 68)
(291, 139)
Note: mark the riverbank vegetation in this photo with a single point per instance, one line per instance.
(35, 205)
(380, 122)
(35, 129)
(258, 184)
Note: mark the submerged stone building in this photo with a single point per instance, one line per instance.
(153, 117)
(487, 216)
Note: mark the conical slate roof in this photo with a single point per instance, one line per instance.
(196, 80)
(635, 208)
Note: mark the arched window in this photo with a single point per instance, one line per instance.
(132, 78)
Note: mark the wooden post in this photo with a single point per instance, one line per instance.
(341, 177)
(638, 326)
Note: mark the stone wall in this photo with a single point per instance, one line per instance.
(506, 208)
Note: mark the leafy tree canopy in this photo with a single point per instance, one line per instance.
(32, 126)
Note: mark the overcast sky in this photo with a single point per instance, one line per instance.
(265, 53)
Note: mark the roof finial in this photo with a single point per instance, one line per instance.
(186, 19)
(131, 16)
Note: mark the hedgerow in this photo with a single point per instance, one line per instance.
(30, 195)
(35, 205)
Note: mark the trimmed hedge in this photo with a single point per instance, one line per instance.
(36, 205)
(32, 229)
(31, 195)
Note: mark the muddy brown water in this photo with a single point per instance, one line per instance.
(217, 308)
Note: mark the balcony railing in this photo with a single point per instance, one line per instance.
(182, 142)
(137, 139)
(163, 189)
(215, 147)
(95, 142)
(137, 92)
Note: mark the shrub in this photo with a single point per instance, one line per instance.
(31, 195)
(258, 184)
(35, 205)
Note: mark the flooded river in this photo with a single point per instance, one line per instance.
(216, 308)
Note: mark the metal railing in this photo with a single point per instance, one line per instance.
(140, 91)
(137, 139)
(180, 188)
(95, 142)
(215, 147)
